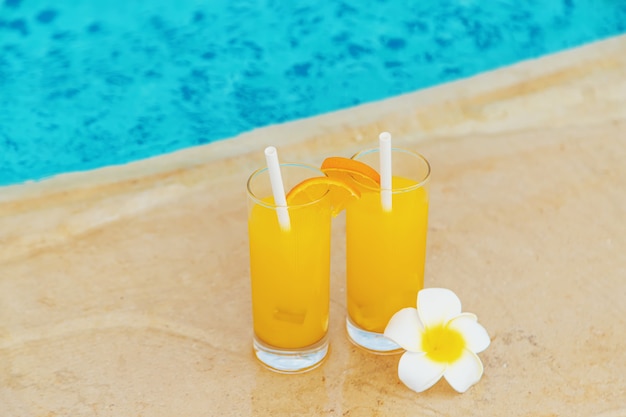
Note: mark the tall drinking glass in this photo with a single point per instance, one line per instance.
(385, 250)
(290, 274)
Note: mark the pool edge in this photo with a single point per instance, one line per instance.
(529, 95)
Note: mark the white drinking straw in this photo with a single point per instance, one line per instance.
(278, 190)
(384, 140)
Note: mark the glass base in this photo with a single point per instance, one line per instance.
(372, 342)
(291, 361)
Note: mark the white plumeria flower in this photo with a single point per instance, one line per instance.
(439, 341)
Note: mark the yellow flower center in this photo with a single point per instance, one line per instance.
(443, 344)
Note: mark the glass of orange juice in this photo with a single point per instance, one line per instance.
(385, 249)
(289, 272)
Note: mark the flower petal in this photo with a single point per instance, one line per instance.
(418, 372)
(405, 329)
(475, 335)
(470, 316)
(464, 372)
(437, 305)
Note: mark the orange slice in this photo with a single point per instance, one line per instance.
(341, 192)
(350, 170)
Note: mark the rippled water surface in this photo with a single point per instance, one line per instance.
(85, 84)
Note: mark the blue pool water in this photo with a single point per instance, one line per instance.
(84, 84)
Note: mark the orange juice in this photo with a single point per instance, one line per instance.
(385, 253)
(290, 272)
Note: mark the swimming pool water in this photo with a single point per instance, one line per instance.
(84, 84)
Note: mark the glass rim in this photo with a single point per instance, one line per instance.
(421, 183)
(272, 206)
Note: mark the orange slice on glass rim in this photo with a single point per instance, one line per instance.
(341, 192)
(349, 170)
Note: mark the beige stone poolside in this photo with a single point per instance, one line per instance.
(124, 291)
